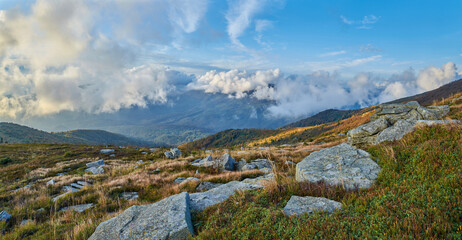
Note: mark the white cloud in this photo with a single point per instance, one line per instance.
(262, 25)
(341, 63)
(239, 16)
(365, 23)
(433, 77)
(330, 54)
(55, 58)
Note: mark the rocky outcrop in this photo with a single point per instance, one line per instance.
(169, 218)
(200, 201)
(174, 153)
(339, 165)
(392, 121)
(225, 162)
(300, 205)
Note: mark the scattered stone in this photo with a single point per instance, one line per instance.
(241, 164)
(200, 201)
(226, 162)
(339, 165)
(25, 222)
(300, 205)
(185, 180)
(209, 151)
(4, 216)
(263, 148)
(129, 195)
(260, 180)
(206, 162)
(341, 134)
(95, 170)
(242, 152)
(144, 153)
(112, 155)
(70, 189)
(153, 149)
(157, 171)
(105, 151)
(95, 164)
(207, 186)
(60, 174)
(140, 162)
(197, 171)
(263, 165)
(76, 185)
(51, 182)
(78, 208)
(174, 153)
(169, 218)
(196, 161)
(83, 183)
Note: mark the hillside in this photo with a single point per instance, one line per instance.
(17, 134)
(330, 115)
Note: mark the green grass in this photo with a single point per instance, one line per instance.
(418, 194)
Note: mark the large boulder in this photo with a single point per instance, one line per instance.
(95, 163)
(200, 201)
(206, 162)
(174, 153)
(169, 218)
(393, 121)
(300, 205)
(339, 165)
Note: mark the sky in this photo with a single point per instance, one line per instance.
(100, 56)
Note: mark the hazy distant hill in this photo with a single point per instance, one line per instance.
(15, 133)
(330, 115)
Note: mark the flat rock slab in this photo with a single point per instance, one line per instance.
(300, 205)
(78, 208)
(339, 165)
(169, 218)
(200, 201)
(4, 216)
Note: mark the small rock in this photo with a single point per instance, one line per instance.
(140, 162)
(70, 189)
(105, 151)
(112, 155)
(95, 164)
(4, 216)
(226, 162)
(242, 152)
(299, 205)
(185, 180)
(95, 170)
(78, 208)
(153, 149)
(129, 195)
(207, 186)
(179, 180)
(51, 182)
(25, 222)
(144, 153)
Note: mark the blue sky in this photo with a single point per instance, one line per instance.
(104, 55)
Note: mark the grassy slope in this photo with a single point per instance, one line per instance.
(101, 137)
(330, 115)
(418, 195)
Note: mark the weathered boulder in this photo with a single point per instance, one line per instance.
(339, 165)
(392, 121)
(206, 162)
(169, 218)
(51, 182)
(105, 151)
(262, 164)
(207, 186)
(300, 205)
(78, 208)
(260, 180)
(241, 164)
(168, 154)
(176, 152)
(200, 201)
(185, 180)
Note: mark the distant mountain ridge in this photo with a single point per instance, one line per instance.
(16, 134)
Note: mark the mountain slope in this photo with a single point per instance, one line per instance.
(14, 133)
(330, 115)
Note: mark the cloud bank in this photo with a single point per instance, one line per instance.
(301, 95)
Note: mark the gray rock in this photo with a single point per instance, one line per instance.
(4, 216)
(168, 154)
(83, 183)
(207, 186)
(153, 149)
(436, 122)
(95, 164)
(25, 222)
(263, 164)
(396, 132)
(241, 164)
(185, 180)
(367, 133)
(206, 162)
(139, 162)
(95, 170)
(78, 208)
(76, 185)
(289, 163)
(169, 218)
(339, 165)
(129, 195)
(105, 151)
(51, 182)
(260, 180)
(70, 189)
(300, 205)
(176, 152)
(226, 162)
(200, 201)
